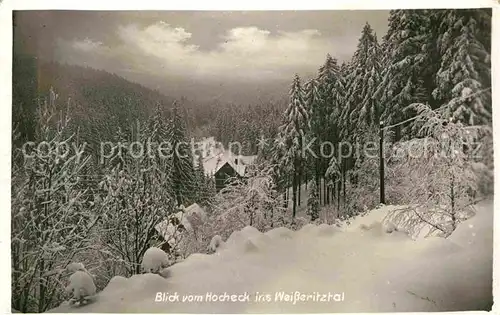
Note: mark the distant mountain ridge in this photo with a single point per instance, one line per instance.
(95, 97)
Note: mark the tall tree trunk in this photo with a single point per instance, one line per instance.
(318, 179)
(332, 195)
(327, 194)
(251, 218)
(306, 181)
(339, 188)
(318, 187)
(300, 188)
(452, 197)
(41, 289)
(324, 192)
(294, 195)
(179, 199)
(344, 173)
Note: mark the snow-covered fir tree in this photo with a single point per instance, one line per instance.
(364, 77)
(329, 87)
(362, 179)
(313, 102)
(332, 91)
(464, 77)
(204, 193)
(409, 66)
(281, 169)
(211, 193)
(159, 160)
(183, 173)
(294, 128)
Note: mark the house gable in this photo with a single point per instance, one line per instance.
(223, 174)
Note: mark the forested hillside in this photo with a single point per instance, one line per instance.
(100, 102)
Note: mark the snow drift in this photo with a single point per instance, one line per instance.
(368, 266)
(154, 260)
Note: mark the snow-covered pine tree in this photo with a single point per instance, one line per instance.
(159, 160)
(51, 220)
(204, 193)
(361, 185)
(364, 77)
(345, 160)
(328, 77)
(313, 104)
(362, 109)
(211, 193)
(410, 64)
(200, 171)
(332, 91)
(313, 201)
(464, 75)
(354, 80)
(296, 123)
(183, 173)
(281, 169)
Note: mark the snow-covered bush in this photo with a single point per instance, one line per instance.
(252, 201)
(435, 174)
(51, 217)
(81, 285)
(137, 196)
(215, 244)
(485, 178)
(73, 267)
(154, 260)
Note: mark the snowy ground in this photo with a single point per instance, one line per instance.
(371, 270)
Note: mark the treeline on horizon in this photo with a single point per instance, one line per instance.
(101, 102)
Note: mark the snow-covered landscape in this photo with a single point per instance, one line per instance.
(375, 268)
(213, 162)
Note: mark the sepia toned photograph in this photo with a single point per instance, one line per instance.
(333, 161)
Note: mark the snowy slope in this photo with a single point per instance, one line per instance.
(375, 271)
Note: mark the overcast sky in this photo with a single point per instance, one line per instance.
(185, 48)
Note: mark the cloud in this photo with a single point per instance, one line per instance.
(87, 45)
(242, 52)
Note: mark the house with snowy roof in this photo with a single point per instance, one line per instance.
(226, 165)
(220, 163)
